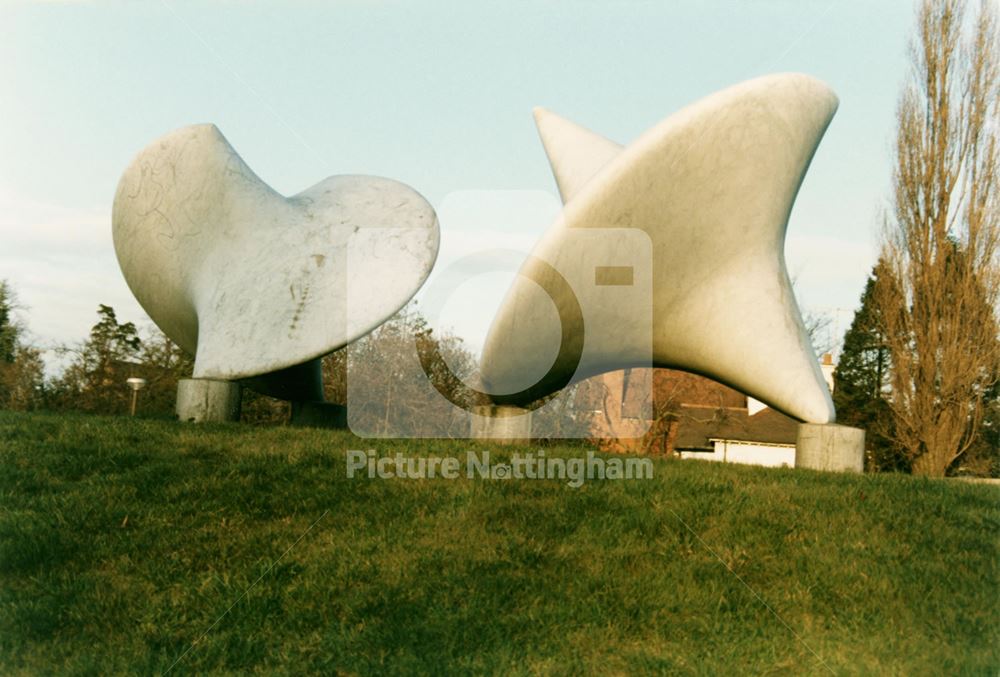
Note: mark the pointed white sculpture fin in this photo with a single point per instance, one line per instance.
(575, 153)
(712, 186)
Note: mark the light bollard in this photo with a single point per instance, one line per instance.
(136, 384)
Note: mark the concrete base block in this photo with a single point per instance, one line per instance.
(319, 415)
(502, 424)
(208, 400)
(837, 448)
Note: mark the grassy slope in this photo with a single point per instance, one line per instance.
(875, 574)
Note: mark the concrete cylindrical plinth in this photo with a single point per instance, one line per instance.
(501, 423)
(208, 400)
(837, 448)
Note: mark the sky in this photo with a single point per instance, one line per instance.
(436, 94)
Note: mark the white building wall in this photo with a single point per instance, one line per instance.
(750, 453)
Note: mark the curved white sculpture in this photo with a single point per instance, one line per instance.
(713, 187)
(252, 282)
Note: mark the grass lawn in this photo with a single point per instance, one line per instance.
(129, 546)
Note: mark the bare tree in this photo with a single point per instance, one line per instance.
(818, 327)
(940, 243)
(390, 391)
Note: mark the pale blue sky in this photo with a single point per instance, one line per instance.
(435, 94)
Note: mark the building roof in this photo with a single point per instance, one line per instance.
(705, 410)
(698, 426)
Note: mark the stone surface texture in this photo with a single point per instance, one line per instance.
(837, 448)
(206, 400)
(713, 187)
(252, 282)
(501, 424)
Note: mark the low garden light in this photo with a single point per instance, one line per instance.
(136, 384)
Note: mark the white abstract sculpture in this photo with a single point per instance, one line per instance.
(251, 282)
(713, 187)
